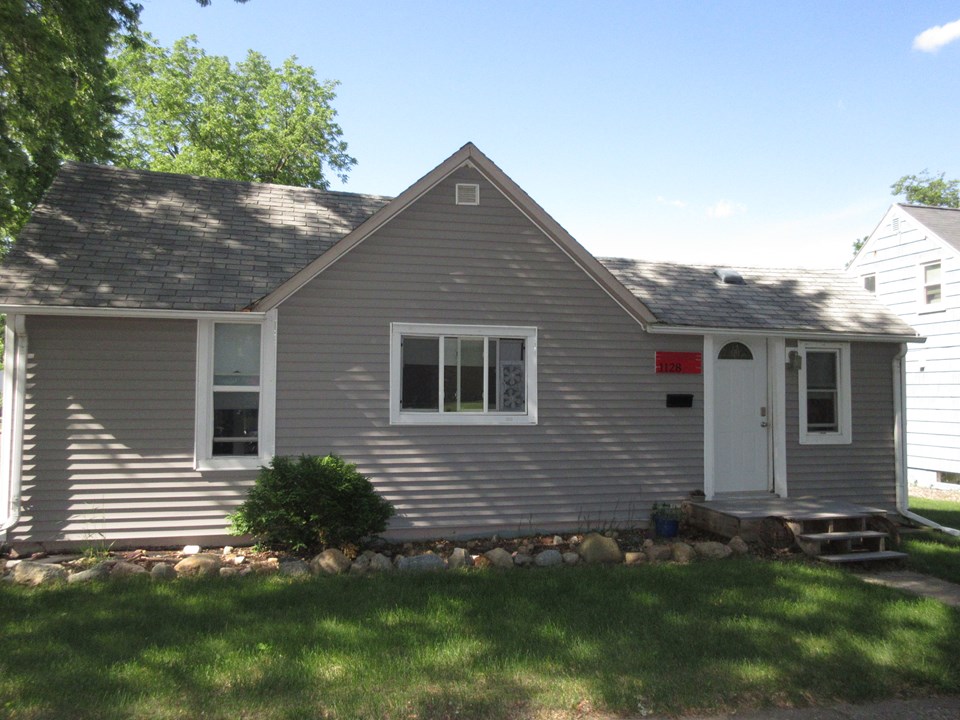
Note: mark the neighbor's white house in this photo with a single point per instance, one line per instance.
(910, 262)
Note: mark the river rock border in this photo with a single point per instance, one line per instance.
(592, 548)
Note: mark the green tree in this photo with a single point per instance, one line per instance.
(194, 113)
(57, 93)
(926, 189)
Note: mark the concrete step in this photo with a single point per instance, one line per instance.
(855, 557)
(847, 535)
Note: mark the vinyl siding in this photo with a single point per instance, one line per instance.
(605, 447)
(933, 368)
(109, 435)
(863, 471)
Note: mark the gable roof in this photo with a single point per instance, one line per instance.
(945, 222)
(789, 301)
(106, 237)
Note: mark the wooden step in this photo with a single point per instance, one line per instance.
(854, 557)
(847, 535)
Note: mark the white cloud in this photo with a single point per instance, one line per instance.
(724, 209)
(672, 203)
(932, 39)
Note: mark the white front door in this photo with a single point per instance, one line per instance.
(740, 415)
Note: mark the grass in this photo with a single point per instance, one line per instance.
(482, 644)
(933, 552)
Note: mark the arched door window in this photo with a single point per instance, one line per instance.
(735, 351)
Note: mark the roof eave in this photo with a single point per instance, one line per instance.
(798, 333)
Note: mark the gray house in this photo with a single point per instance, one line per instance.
(166, 335)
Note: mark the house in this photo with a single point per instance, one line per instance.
(166, 335)
(911, 262)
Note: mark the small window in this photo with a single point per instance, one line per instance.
(825, 406)
(444, 374)
(735, 351)
(468, 194)
(870, 283)
(932, 288)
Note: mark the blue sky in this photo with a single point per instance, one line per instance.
(742, 133)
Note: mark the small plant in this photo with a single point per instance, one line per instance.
(666, 511)
(310, 502)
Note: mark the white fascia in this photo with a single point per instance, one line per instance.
(71, 311)
(14, 402)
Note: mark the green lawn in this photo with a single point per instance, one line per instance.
(480, 644)
(933, 552)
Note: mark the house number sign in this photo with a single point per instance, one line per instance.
(685, 363)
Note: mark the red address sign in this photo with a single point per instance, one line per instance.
(686, 363)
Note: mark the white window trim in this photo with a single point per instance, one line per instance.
(203, 430)
(399, 417)
(924, 306)
(844, 435)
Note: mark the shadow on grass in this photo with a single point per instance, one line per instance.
(477, 644)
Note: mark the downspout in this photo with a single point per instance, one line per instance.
(14, 400)
(899, 445)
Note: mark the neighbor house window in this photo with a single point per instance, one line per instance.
(932, 287)
(235, 402)
(824, 385)
(870, 283)
(463, 374)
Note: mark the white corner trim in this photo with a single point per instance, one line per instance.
(397, 417)
(14, 402)
(709, 479)
(777, 360)
(203, 428)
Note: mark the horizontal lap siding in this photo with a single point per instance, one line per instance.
(864, 471)
(108, 446)
(605, 447)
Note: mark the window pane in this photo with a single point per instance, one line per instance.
(822, 410)
(870, 283)
(236, 354)
(931, 274)
(235, 420)
(822, 370)
(421, 368)
(462, 374)
(510, 375)
(492, 393)
(932, 294)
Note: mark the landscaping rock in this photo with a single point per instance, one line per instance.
(549, 558)
(571, 558)
(597, 548)
(227, 572)
(380, 563)
(270, 565)
(634, 558)
(499, 557)
(421, 563)
(557, 540)
(294, 568)
(459, 558)
(330, 562)
(190, 550)
(522, 559)
(100, 571)
(738, 545)
(362, 564)
(163, 571)
(658, 553)
(683, 553)
(199, 565)
(713, 550)
(28, 572)
(123, 569)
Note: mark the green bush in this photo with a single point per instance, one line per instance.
(310, 502)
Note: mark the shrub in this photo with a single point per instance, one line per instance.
(310, 502)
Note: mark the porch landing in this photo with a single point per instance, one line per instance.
(829, 530)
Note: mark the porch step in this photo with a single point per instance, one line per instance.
(849, 535)
(853, 557)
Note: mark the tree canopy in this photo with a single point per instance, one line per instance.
(927, 189)
(194, 113)
(57, 92)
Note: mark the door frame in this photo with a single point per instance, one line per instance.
(776, 411)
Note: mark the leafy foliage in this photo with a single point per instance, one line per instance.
(195, 113)
(57, 93)
(310, 502)
(926, 189)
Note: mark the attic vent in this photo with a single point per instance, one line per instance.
(895, 224)
(468, 194)
(729, 276)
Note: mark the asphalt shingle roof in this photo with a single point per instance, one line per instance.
(790, 300)
(110, 237)
(945, 222)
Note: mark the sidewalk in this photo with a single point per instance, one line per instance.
(916, 583)
(935, 708)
